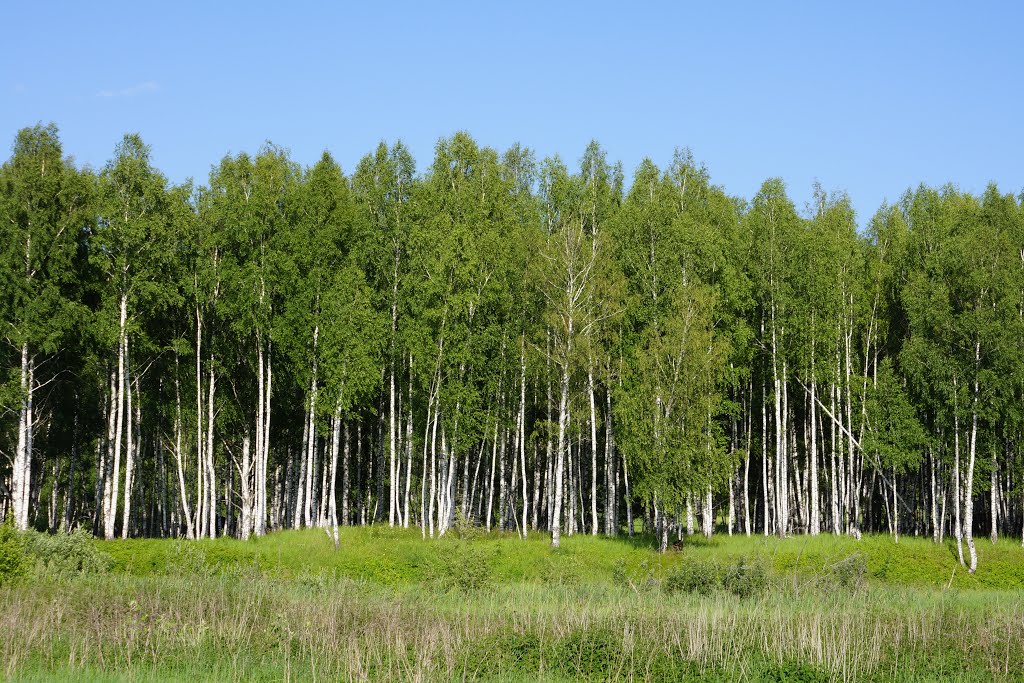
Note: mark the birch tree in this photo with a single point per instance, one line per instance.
(43, 204)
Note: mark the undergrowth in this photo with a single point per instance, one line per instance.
(472, 606)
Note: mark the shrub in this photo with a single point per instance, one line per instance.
(13, 563)
(847, 573)
(747, 577)
(66, 554)
(703, 577)
(465, 528)
(462, 566)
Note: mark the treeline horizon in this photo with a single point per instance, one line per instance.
(501, 341)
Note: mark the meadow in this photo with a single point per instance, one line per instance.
(390, 606)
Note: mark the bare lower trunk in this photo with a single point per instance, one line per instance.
(813, 457)
(707, 518)
(968, 494)
(895, 512)
(332, 499)
(200, 519)
(21, 475)
(764, 462)
(109, 530)
(936, 526)
(311, 441)
(345, 476)
(593, 452)
(245, 476)
(408, 450)
(563, 426)
(610, 470)
(833, 479)
(993, 499)
(957, 497)
(392, 484)
(129, 464)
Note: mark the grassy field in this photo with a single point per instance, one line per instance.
(389, 606)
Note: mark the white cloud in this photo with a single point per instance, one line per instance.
(131, 91)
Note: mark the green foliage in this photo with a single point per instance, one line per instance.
(848, 573)
(895, 434)
(699, 576)
(13, 561)
(463, 565)
(66, 554)
(747, 577)
(49, 555)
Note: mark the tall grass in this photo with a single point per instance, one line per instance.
(287, 607)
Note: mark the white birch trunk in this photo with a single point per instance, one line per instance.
(109, 527)
(21, 474)
(522, 434)
(563, 426)
(593, 451)
(129, 462)
(968, 494)
(245, 475)
(408, 450)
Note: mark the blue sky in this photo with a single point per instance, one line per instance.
(865, 97)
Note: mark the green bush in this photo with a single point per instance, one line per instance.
(747, 577)
(703, 577)
(465, 529)
(66, 554)
(13, 562)
(462, 565)
(847, 573)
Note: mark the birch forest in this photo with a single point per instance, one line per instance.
(536, 346)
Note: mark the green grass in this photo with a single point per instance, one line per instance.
(390, 606)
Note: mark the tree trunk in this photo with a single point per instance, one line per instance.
(129, 461)
(408, 449)
(968, 494)
(245, 477)
(21, 475)
(108, 531)
(563, 426)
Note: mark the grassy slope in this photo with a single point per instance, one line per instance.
(400, 557)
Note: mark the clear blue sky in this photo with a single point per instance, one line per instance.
(869, 98)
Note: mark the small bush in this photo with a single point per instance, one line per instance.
(66, 554)
(747, 577)
(13, 562)
(462, 566)
(848, 573)
(703, 577)
(465, 529)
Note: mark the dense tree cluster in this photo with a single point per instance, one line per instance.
(501, 341)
